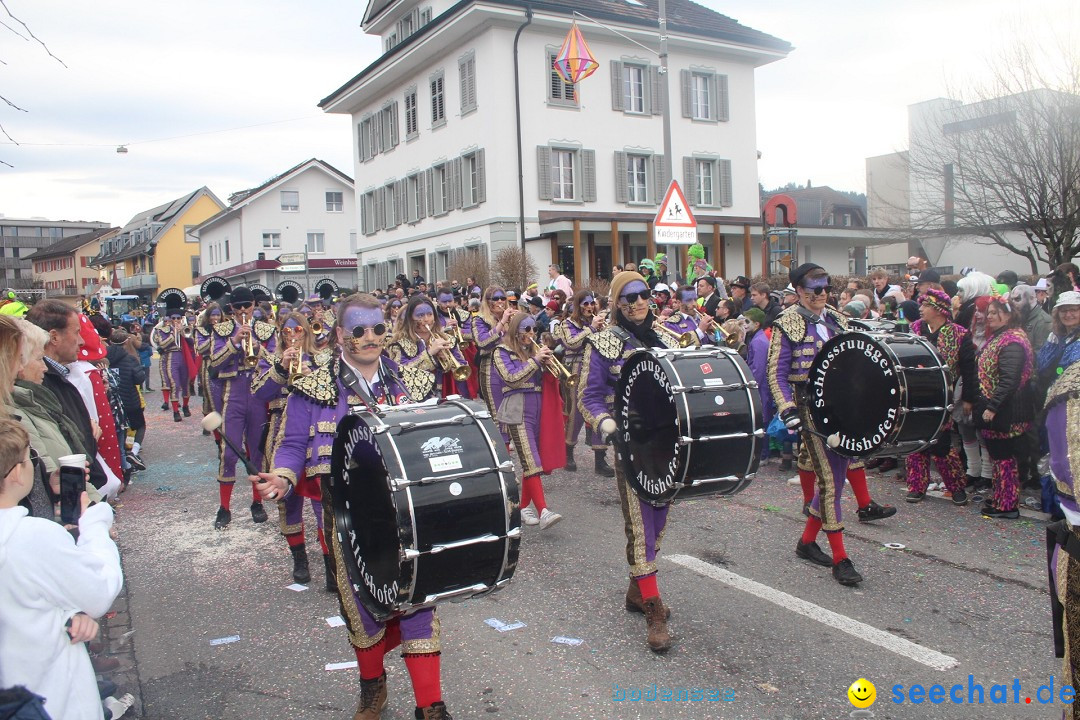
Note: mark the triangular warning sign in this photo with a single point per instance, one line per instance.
(675, 211)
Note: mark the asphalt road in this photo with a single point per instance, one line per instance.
(751, 621)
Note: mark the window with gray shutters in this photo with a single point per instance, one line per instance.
(640, 177)
(473, 185)
(412, 127)
(709, 181)
(388, 127)
(467, 75)
(559, 92)
(438, 100)
(704, 95)
(367, 135)
(440, 189)
(636, 87)
(369, 212)
(566, 174)
(389, 206)
(415, 194)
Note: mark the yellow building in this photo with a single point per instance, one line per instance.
(63, 268)
(154, 250)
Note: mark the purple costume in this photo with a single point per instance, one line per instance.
(524, 379)
(426, 372)
(573, 337)
(212, 387)
(487, 340)
(315, 405)
(174, 371)
(605, 353)
(757, 357)
(795, 342)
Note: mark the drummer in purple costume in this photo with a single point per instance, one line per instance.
(572, 332)
(244, 415)
(798, 334)
(630, 328)
(361, 376)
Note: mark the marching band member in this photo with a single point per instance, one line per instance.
(488, 327)
(204, 346)
(631, 327)
(519, 363)
(954, 346)
(572, 332)
(168, 336)
(798, 334)
(418, 344)
(238, 344)
(455, 323)
(688, 319)
(360, 376)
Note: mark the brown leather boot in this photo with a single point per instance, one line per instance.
(435, 711)
(659, 638)
(634, 603)
(372, 698)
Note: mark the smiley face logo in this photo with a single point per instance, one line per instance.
(862, 693)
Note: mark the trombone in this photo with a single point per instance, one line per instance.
(450, 364)
(560, 371)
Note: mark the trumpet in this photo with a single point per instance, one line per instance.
(560, 371)
(187, 332)
(729, 339)
(296, 368)
(316, 327)
(251, 359)
(685, 339)
(450, 364)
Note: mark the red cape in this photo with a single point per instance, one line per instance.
(552, 430)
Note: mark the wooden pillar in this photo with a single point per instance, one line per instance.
(616, 246)
(746, 250)
(719, 261)
(681, 260)
(578, 253)
(650, 242)
(590, 253)
(554, 250)
(764, 253)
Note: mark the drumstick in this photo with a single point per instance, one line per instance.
(213, 422)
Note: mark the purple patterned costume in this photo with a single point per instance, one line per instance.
(524, 378)
(573, 337)
(173, 368)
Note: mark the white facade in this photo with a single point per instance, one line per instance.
(586, 162)
(312, 205)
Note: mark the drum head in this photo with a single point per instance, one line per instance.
(371, 549)
(648, 427)
(855, 393)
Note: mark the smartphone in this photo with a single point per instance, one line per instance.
(72, 486)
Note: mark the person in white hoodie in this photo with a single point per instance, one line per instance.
(52, 589)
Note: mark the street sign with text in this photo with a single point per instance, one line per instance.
(290, 258)
(292, 268)
(675, 223)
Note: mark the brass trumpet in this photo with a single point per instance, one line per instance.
(251, 358)
(296, 367)
(560, 371)
(450, 364)
(316, 327)
(729, 339)
(685, 340)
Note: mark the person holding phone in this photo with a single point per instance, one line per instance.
(47, 609)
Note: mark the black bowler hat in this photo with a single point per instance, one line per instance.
(796, 276)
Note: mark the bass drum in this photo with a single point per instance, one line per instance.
(425, 504)
(878, 394)
(689, 423)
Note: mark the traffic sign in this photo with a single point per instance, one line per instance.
(291, 258)
(675, 223)
(292, 268)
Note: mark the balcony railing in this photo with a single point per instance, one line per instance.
(145, 281)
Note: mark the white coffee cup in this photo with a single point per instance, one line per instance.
(75, 461)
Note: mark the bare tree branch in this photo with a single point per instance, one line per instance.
(11, 104)
(30, 32)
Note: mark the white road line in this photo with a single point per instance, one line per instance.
(893, 643)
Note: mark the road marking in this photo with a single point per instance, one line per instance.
(893, 643)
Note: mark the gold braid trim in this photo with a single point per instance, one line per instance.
(513, 380)
(419, 381)
(320, 386)
(607, 344)
(225, 328)
(264, 330)
(425, 646)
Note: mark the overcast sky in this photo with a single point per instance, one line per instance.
(144, 73)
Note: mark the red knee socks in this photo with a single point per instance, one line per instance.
(322, 542)
(857, 480)
(295, 539)
(535, 492)
(370, 660)
(186, 399)
(836, 544)
(813, 527)
(808, 481)
(392, 636)
(175, 406)
(648, 587)
(424, 672)
(255, 496)
(225, 493)
(165, 396)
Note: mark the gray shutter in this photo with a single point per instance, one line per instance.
(722, 111)
(394, 124)
(656, 88)
(660, 179)
(686, 82)
(455, 183)
(402, 187)
(725, 183)
(714, 97)
(481, 180)
(430, 271)
(543, 171)
(360, 141)
(622, 193)
(421, 194)
(588, 175)
(377, 130)
(380, 216)
(689, 180)
(616, 85)
(429, 183)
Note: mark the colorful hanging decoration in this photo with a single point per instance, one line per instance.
(574, 62)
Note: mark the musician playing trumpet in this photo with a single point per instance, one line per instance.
(688, 319)
(419, 344)
(572, 332)
(169, 339)
(520, 364)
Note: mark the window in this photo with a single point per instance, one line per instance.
(390, 216)
(271, 239)
(366, 136)
(195, 266)
(290, 201)
(559, 91)
(467, 74)
(704, 95)
(412, 128)
(334, 201)
(634, 88)
(369, 208)
(226, 249)
(566, 174)
(425, 16)
(414, 197)
(352, 243)
(405, 26)
(388, 127)
(473, 186)
(188, 237)
(637, 188)
(438, 100)
(709, 180)
(391, 41)
(440, 189)
(316, 242)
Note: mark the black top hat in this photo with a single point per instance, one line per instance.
(214, 288)
(289, 291)
(326, 288)
(260, 292)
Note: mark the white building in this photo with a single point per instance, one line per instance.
(438, 153)
(311, 205)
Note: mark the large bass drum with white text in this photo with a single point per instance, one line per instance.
(425, 502)
(873, 393)
(689, 423)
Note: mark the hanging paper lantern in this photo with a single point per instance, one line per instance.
(574, 62)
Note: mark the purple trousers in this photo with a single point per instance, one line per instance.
(644, 525)
(244, 419)
(174, 374)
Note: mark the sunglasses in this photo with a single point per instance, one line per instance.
(361, 330)
(588, 302)
(818, 291)
(631, 298)
(497, 298)
(530, 329)
(241, 305)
